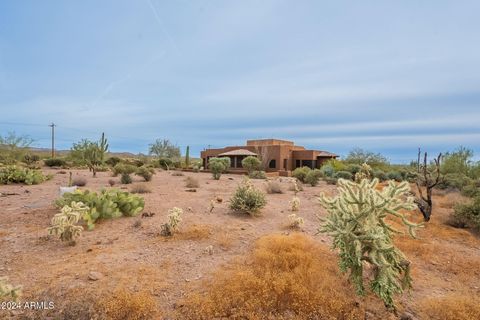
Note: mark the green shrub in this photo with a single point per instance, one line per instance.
(107, 204)
(301, 173)
(454, 181)
(14, 174)
(469, 212)
(395, 175)
(9, 292)
(257, 175)
(247, 198)
(113, 161)
(218, 166)
(313, 176)
(55, 162)
(125, 178)
(145, 173)
(166, 163)
(331, 181)
(343, 175)
(251, 164)
(472, 190)
(123, 168)
(353, 168)
(380, 175)
(356, 221)
(30, 158)
(327, 171)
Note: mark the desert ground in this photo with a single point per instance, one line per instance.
(129, 253)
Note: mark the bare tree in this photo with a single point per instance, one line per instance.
(264, 155)
(426, 179)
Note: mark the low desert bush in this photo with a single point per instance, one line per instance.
(194, 232)
(140, 188)
(273, 186)
(301, 173)
(343, 175)
(145, 173)
(454, 181)
(285, 277)
(295, 221)
(30, 158)
(313, 176)
(380, 175)
(327, 170)
(251, 164)
(451, 307)
(14, 174)
(126, 178)
(166, 163)
(79, 181)
(177, 174)
(247, 199)
(331, 181)
(113, 161)
(218, 166)
(55, 162)
(191, 182)
(353, 168)
(111, 182)
(257, 175)
(122, 168)
(468, 213)
(395, 175)
(127, 305)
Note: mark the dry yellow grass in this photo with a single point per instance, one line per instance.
(284, 277)
(125, 305)
(194, 232)
(452, 307)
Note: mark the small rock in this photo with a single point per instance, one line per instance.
(94, 276)
(407, 316)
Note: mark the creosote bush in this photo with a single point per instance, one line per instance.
(313, 176)
(79, 182)
(301, 173)
(140, 188)
(468, 213)
(247, 198)
(343, 175)
(285, 277)
(145, 173)
(55, 162)
(356, 221)
(257, 175)
(218, 166)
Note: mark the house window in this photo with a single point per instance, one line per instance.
(272, 164)
(297, 163)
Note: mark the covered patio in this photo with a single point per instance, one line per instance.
(236, 157)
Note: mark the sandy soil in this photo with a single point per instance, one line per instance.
(135, 256)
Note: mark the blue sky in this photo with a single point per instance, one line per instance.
(387, 76)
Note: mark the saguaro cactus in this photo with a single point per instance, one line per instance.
(356, 221)
(187, 157)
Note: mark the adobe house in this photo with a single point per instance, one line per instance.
(277, 155)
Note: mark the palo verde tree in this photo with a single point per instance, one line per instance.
(164, 149)
(13, 145)
(427, 178)
(357, 222)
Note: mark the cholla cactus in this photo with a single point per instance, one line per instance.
(295, 204)
(296, 189)
(356, 221)
(9, 292)
(64, 224)
(364, 173)
(174, 219)
(295, 221)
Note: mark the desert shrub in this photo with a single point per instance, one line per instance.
(353, 168)
(30, 158)
(127, 305)
(111, 182)
(356, 221)
(107, 204)
(145, 173)
(191, 182)
(365, 172)
(327, 170)
(113, 161)
(380, 175)
(79, 182)
(360, 156)
(251, 164)
(247, 198)
(337, 165)
(9, 292)
(14, 174)
(140, 188)
(197, 166)
(123, 168)
(125, 178)
(451, 307)
(273, 186)
(454, 181)
(257, 175)
(54, 162)
(285, 277)
(313, 176)
(301, 173)
(295, 186)
(174, 220)
(295, 221)
(64, 224)
(343, 175)
(395, 175)
(295, 204)
(166, 163)
(472, 190)
(331, 181)
(177, 174)
(218, 166)
(469, 213)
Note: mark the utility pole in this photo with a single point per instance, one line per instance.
(53, 138)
